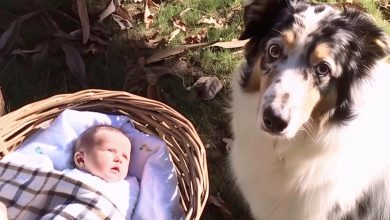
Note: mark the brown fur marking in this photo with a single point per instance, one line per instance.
(289, 38)
(320, 53)
(255, 78)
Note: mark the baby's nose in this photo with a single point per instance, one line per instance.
(117, 159)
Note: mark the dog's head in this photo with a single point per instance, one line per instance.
(305, 58)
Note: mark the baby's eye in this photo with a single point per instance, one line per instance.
(111, 150)
(124, 156)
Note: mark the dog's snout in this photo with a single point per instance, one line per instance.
(274, 122)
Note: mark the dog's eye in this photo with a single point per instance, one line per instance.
(322, 69)
(274, 51)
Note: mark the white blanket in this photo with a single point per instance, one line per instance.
(123, 194)
(150, 160)
(35, 193)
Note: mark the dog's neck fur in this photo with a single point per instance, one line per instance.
(309, 175)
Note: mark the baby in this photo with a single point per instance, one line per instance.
(102, 157)
(103, 151)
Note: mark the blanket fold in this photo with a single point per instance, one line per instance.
(34, 193)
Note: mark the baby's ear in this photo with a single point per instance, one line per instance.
(79, 159)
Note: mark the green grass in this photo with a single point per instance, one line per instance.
(372, 8)
(195, 10)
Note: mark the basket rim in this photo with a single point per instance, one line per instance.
(33, 115)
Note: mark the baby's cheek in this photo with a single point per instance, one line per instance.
(125, 169)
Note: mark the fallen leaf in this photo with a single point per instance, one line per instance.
(98, 40)
(162, 54)
(76, 33)
(121, 11)
(185, 11)
(91, 49)
(152, 42)
(11, 35)
(22, 52)
(230, 44)
(200, 37)
(75, 63)
(191, 39)
(209, 86)
(84, 19)
(200, 81)
(174, 34)
(151, 2)
(178, 23)
(124, 24)
(148, 15)
(235, 10)
(109, 10)
(168, 52)
(212, 21)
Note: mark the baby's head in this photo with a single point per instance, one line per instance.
(103, 151)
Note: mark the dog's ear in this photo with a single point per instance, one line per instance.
(375, 40)
(378, 42)
(259, 15)
(380, 45)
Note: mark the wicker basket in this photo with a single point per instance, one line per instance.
(149, 116)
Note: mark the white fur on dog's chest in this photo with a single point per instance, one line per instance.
(297, 188)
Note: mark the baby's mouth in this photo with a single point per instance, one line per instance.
(115, 169)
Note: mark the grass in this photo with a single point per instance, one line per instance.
(24, 81)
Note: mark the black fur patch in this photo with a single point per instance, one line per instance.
(260, 15)
(245, 75)
(370, 206)
(300, 8)
(319, 9)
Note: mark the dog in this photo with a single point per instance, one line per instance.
(311, 113)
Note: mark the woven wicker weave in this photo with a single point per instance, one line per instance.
(152, 117)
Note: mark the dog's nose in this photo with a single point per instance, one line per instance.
(273, 122)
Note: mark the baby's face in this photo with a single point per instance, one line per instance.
(109, 158)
